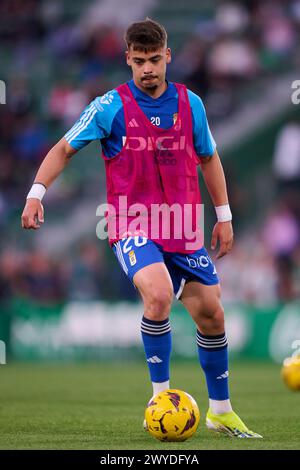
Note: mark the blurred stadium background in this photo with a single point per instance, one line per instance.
(63, 295)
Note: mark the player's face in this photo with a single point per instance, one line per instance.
(149, 68)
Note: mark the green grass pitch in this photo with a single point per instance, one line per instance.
(96, 406)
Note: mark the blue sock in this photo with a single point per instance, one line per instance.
(213, 357)
(157, 341)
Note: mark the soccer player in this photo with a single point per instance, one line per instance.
(153, 134)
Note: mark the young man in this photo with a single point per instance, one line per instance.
(153, 135)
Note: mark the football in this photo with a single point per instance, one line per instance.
(172, 415)
(290, 372)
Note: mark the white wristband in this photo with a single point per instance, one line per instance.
(37, 191)
(223, 213)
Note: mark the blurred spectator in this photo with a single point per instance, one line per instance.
(10, 265)
(106, 43)
(20, 99)
(86, 278)
(64, 41)
(232, 17)
(281, 231)
(233, 58)
(286, 158)
(257, 283)
(30, 143)
(281, 235)
(40, 279)
(277, 30)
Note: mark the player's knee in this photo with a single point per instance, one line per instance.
(216, 317)
(158, 304)
(212, 318)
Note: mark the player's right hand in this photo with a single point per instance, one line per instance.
(33, 214)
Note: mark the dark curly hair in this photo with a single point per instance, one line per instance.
(146, 36)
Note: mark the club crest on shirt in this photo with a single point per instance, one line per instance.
(176, 122)
(132, 257)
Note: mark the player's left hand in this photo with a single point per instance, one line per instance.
(224, 233)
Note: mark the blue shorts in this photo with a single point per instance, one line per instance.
(134, 253)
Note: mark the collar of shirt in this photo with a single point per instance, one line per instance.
(140, 96)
